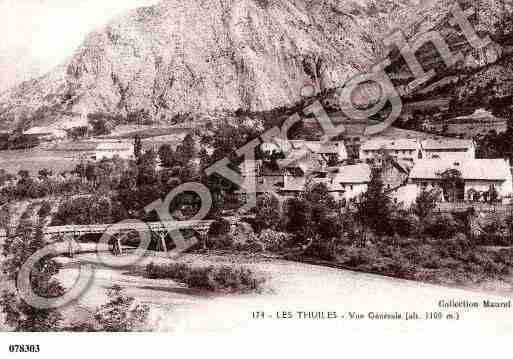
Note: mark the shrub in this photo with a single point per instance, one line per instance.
(84, 210)
(212, 278)
(440, 227)
(404, 224)
(45, 209)
(219, 227)
(494, 232)
(252, 247)
(220, 242)
(121, 313)
(267, 213)
(425, 204)
(274, 241)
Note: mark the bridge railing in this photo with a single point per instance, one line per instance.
(126, 227)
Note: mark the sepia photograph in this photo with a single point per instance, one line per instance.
(253, 167)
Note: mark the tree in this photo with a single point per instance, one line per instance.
(425, 203)
(318, 193)
(5, 176)
(374, 208)
(141, 117)
(121, 313)
(18, 314)
(493, 194)
(137, 147)
(219, 227)
(147, 173)
(99, 124)
(442, 226)
(45, 173)
(297, 218)
(267, 213)
(508, 223)
(452, 184)
(44, 210)
(226, 139)
(167, 156)
(85, 210)
(25, 187)
(91, 173)
(187, 150)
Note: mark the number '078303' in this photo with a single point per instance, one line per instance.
(17, 348)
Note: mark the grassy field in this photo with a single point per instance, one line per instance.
(475, 128)
(36, 159)
(66, 155)
(130, 131)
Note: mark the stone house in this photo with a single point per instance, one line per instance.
(449, 149)
(374, 150)
(472, 180)
(109, 149)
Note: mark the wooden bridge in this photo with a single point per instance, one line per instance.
(72, 233)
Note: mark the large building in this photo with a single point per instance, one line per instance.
(350, 182)
(344, 183)
(310, 162)
(109, 149)
(46, 133)
(373, 150)
(469, 180)
(449, 149)
(330, 151)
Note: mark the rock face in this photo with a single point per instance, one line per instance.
(218, 56)
(488, 20)
(206, 56)
(437, 15)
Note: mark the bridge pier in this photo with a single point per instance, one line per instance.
(71, 239)
(117, 249)
(162, 240)
(203, 233)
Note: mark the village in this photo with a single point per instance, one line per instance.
(406, 166)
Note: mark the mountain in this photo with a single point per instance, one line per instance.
(483, 73)
(220, 56)
(206, 56)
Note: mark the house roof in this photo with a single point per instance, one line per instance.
(264, 187)
(360, 173)
(39, 131)
(294, 187)
(479, 114)
(114, 146)
(45, 130)
(446, 144)
(330, 147)
(354, 174)
(300, 158)
(475, 169)
(390, 144)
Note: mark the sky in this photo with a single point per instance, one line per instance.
(37, 35)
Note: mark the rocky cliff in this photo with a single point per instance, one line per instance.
(207, 56)
(218, 56)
